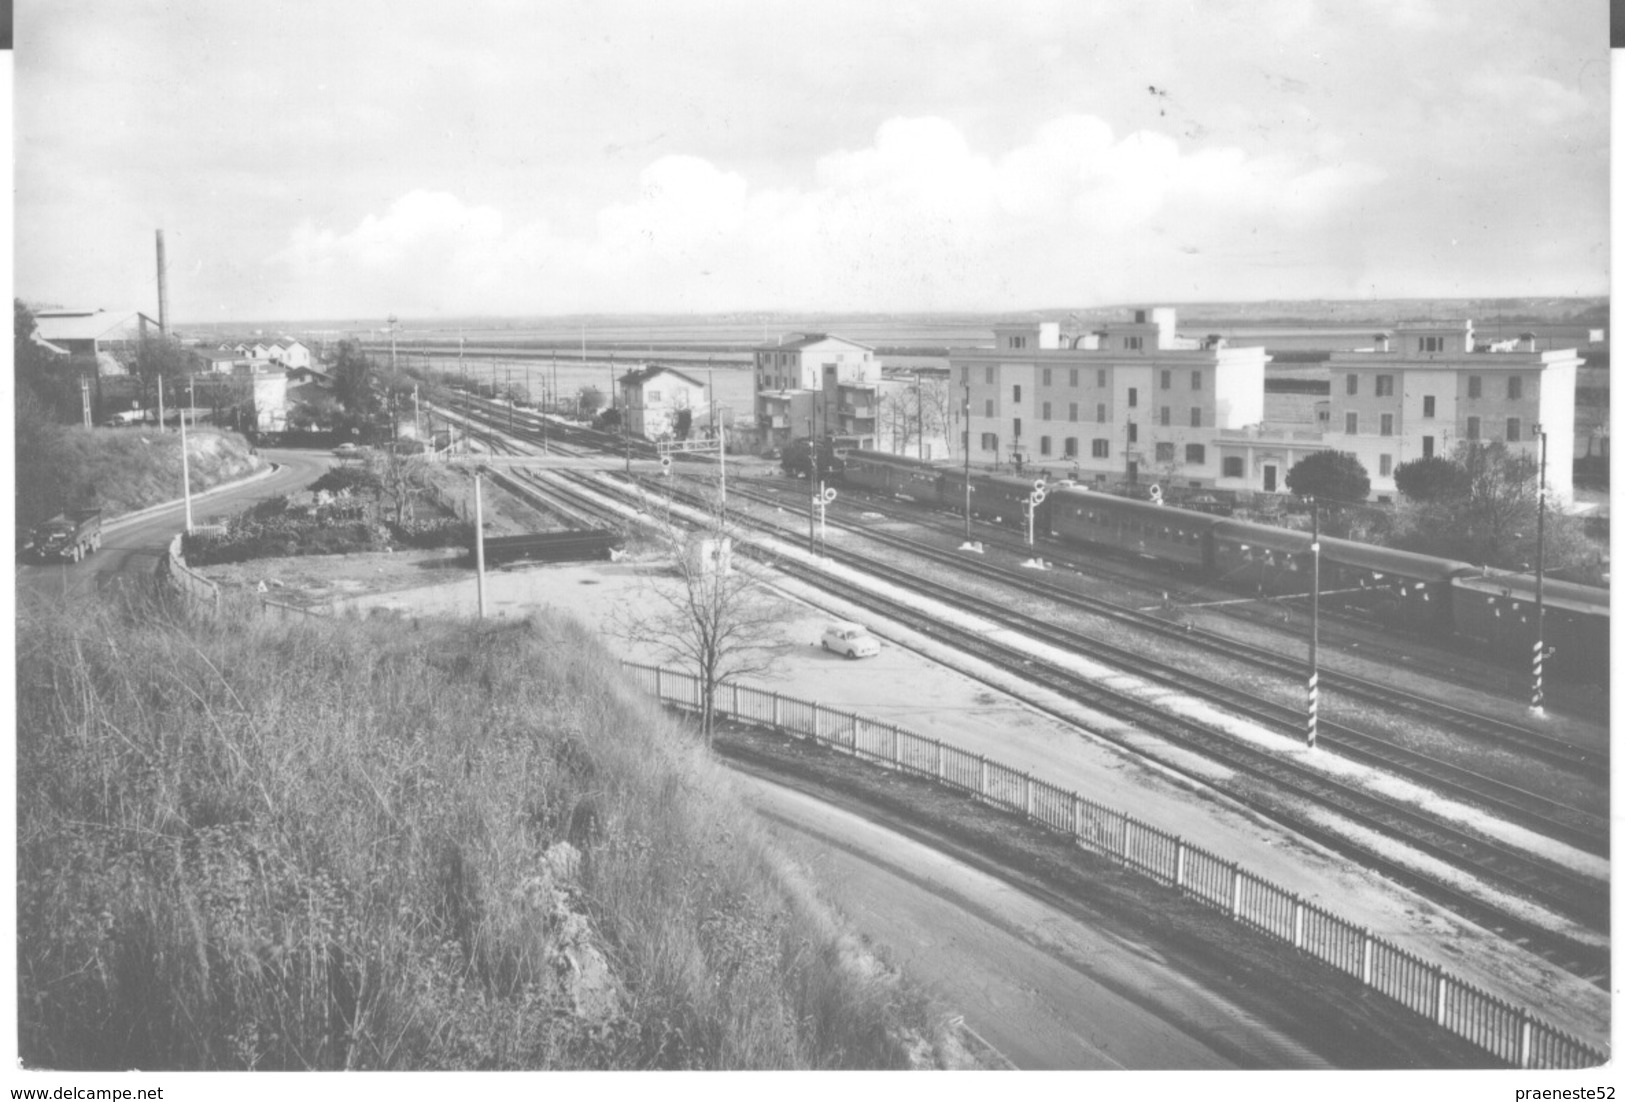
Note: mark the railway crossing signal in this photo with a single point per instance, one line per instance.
(1156, 494)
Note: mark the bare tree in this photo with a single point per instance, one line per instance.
(899, 416)
(707, 612)
(939, 405)
(399, 478)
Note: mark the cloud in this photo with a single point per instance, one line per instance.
(1541, 99)
(917, 219)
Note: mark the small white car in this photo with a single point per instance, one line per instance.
(852, 640)
(347, 450)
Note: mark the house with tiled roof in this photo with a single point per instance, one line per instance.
(653, 397)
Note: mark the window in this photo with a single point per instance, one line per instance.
(1165, 452)
(1353, 384)
(1234, 466)
(1100, 449)
(1514, 387)
(990, 442)
(1196, 417)
(1043, 445)
(651, 397)
(1072, 377)
(964, 375)
(1475, 386)
(1133, 344)
(1072, 411)
(1386, 425)
(1196, 380)
(1385, 465)
(1351, 423)
(1133, 396)
(1070, 447)
(1018, 342)
(1015, 393)
(1427, 447)
(989, 412)
(1046, 411)
(1167, 416)
(1133, 432)
(1427, 405)
(990, 373)
(1195, 453)
(1100, 412)
(1046, 376)
(1100, 376)
(1514, 430)
(1430, 344)
(1385, 386)
(1167, 380)
(1015, 427)
(1472, 428)
(964, 440)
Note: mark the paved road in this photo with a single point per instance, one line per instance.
(1044, 988)
(131, 548)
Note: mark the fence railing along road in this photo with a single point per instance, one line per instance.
(1509, 1033)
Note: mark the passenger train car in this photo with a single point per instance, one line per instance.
(1398, 589)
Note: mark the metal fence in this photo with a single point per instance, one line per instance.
(1509, 1033)
(203, 594)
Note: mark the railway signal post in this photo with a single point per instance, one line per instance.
(1034, 500)
(1314, 627)
(1537, 689)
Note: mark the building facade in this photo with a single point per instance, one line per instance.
(1128, 402)
(1433, 386)
(816, 385)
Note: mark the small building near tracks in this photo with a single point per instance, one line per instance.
(654, 398)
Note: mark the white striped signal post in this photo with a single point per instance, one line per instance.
(1537, 688)
(1313, 717)
(826, 495)
(1034, 500)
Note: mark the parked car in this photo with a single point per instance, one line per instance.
(851, 640)
(348, 450)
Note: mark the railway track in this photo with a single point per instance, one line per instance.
(1487, 729)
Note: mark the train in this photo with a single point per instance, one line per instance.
(1491, 611)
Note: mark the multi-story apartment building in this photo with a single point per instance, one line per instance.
(1432, 386)
(1129, 401)
(815, 384)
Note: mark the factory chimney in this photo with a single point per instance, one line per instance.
(163, 290)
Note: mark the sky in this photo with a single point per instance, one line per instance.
(319, 160)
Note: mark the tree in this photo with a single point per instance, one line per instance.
(399, 477)
(709, 613)
(1333, 478)
(161, 359)
(1431, 479)
(940, 407)
(683, 424)
(590, 401)
(52, 381)
(353, 377)
(899, 418)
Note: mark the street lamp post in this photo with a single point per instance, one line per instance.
(967, 461)
(1537, 692)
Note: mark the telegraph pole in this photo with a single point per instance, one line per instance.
(919, 414)
(84, 398)
(967, 461)
(812, 487)
(1537, 692)
(1313, 688)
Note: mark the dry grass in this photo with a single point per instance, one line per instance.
(311, 846)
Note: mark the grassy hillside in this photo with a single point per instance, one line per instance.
(342, 845)
(121, 470)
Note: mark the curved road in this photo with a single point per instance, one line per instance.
(132, 546)
(1047, 990)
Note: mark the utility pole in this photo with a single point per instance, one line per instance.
(160, 403)
(812, 487)
(186, 478)
(1313, 688)
(1537, 692)
(84, 398)
(919, 413)
(479, 547)
(967, 461)
(392, 327)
